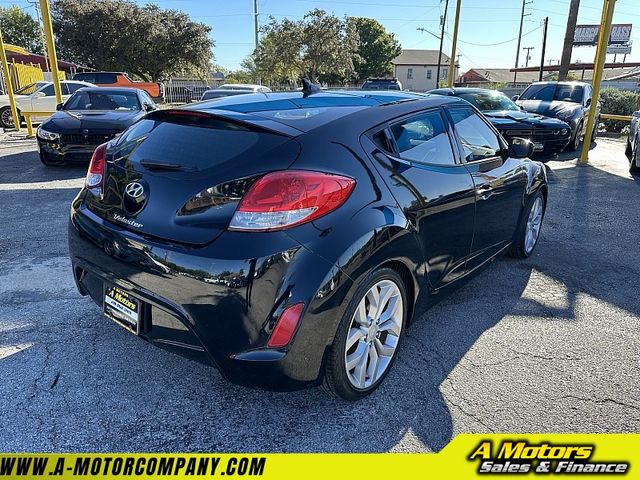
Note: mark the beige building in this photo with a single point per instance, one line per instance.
(416, 69)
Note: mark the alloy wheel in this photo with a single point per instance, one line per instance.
(534, 223)
(373, 334)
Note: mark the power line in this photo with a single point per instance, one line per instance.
(498, 43)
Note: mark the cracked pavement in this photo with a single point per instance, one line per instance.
(549, 344)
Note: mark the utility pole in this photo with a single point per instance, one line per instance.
(255, 21)
(598, 66)
(544, 47)
(568, 40)
(454, 44)
(51, 48)
(44, 41)
(443, 20)
(522, 15)
(528, 57)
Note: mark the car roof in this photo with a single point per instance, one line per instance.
(305, 112)
(555, 82)
(456, 90)
(247, 85)
(93, 88)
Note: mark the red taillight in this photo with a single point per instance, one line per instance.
(95, 174)
(290, 197)
(286, 326)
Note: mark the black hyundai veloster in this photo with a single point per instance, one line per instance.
(290, 238)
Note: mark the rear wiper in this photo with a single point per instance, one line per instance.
(151, 165)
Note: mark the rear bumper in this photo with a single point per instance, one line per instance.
(211, 305)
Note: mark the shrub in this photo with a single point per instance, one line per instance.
(618, 102)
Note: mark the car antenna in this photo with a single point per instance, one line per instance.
(308, 87)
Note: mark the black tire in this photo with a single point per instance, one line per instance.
(594, 133)
(627, 150)
(336, 380)
(4, 112)
(575, 141)
(635, 158)
(518, 248)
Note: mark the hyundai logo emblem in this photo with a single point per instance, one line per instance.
(134, 190)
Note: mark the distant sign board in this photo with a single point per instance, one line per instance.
(588, 34)
(619, 49)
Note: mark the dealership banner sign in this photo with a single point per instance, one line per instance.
(467, 456)
(588, 34)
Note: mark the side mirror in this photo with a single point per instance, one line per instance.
(588, 103)
(59, 106)
(520, 148)
(39, 94)
(515, 97)
(148, 107)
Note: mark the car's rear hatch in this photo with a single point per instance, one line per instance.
(192, 168)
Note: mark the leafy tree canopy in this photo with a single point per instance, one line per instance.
(376, 48)
(321, 46)
(147, 41)
(20, 29)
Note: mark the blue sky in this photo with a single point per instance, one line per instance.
(482, 23)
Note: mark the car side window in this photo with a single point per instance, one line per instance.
(424, 138)
(72, 86)
(478, 140)
(64, 88)
(48, 90)
(106, 78)
(146, 98)
(587, 94)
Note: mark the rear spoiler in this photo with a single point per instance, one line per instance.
(244, 120)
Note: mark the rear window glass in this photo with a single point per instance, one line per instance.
(194, 145)
(105, 78)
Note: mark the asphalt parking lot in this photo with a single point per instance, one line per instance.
(550, 344)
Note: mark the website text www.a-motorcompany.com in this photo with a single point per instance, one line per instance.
(119, 465)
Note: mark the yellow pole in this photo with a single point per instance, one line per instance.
(603, 40)
(452, 68)
(8, 85)
(51, 48)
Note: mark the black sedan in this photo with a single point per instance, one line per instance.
(567, 101)
(290, 238)
(89, 117)
(549, 135)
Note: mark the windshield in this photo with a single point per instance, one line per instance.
(486, 101)
(553, 91)
(29, 89)
(84, 100)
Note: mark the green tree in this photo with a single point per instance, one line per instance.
(20, 29)
(147, 41)
(321, 46)
(376, 48)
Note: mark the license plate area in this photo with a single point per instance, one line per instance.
(123, 308)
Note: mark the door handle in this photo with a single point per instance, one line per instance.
(485, 191)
